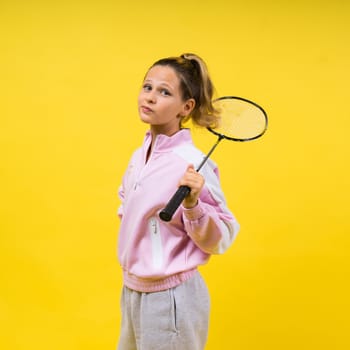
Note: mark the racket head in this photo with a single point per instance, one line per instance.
(240, 119)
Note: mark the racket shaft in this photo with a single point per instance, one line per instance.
(167, 213)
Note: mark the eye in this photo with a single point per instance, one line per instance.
(165, 92)
(147, 87)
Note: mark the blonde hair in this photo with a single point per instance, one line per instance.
(194, 83)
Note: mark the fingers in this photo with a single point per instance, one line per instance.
(195, 181)
(192, 179)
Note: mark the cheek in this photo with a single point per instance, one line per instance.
(139, 98)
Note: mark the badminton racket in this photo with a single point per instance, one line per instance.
(241, 120)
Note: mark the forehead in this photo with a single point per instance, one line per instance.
(163, 74)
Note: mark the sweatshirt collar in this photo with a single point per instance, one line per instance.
(164, 143)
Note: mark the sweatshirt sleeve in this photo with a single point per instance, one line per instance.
(210, 224)
(123, 188)
(121, 197)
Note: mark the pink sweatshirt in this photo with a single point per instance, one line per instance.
(157, 255)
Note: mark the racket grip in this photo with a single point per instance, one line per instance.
(167, 213)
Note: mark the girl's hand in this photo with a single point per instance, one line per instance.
(195, 182)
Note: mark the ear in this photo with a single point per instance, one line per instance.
(188, 107)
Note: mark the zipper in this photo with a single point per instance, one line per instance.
(139, 176)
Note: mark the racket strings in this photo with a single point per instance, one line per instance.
(240, 119)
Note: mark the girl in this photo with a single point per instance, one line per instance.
(165, 302)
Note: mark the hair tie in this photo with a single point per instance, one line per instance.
(193, 62)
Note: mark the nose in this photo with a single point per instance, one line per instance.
(150, 97)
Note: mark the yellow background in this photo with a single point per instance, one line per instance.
(70, 75)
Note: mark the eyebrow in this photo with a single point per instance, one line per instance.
(164, 84)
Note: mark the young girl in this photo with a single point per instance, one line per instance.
(165, 302)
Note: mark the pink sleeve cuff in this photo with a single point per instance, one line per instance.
(194, 213)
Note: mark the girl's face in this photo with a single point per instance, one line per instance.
(160, 101)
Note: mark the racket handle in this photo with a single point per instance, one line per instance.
(167, 213)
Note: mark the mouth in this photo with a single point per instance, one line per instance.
(146, 109)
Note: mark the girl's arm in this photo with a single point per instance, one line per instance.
(206, 217)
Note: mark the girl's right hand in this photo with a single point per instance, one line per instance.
(195, 182)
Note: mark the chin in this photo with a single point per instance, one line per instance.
(145, 119)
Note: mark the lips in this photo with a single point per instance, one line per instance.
(146, 109)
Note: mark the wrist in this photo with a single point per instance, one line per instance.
(189, 204)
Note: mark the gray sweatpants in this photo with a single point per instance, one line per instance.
(174, 319)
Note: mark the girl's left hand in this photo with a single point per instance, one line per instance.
(195, 182)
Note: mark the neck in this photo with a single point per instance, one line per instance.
(164, 130)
